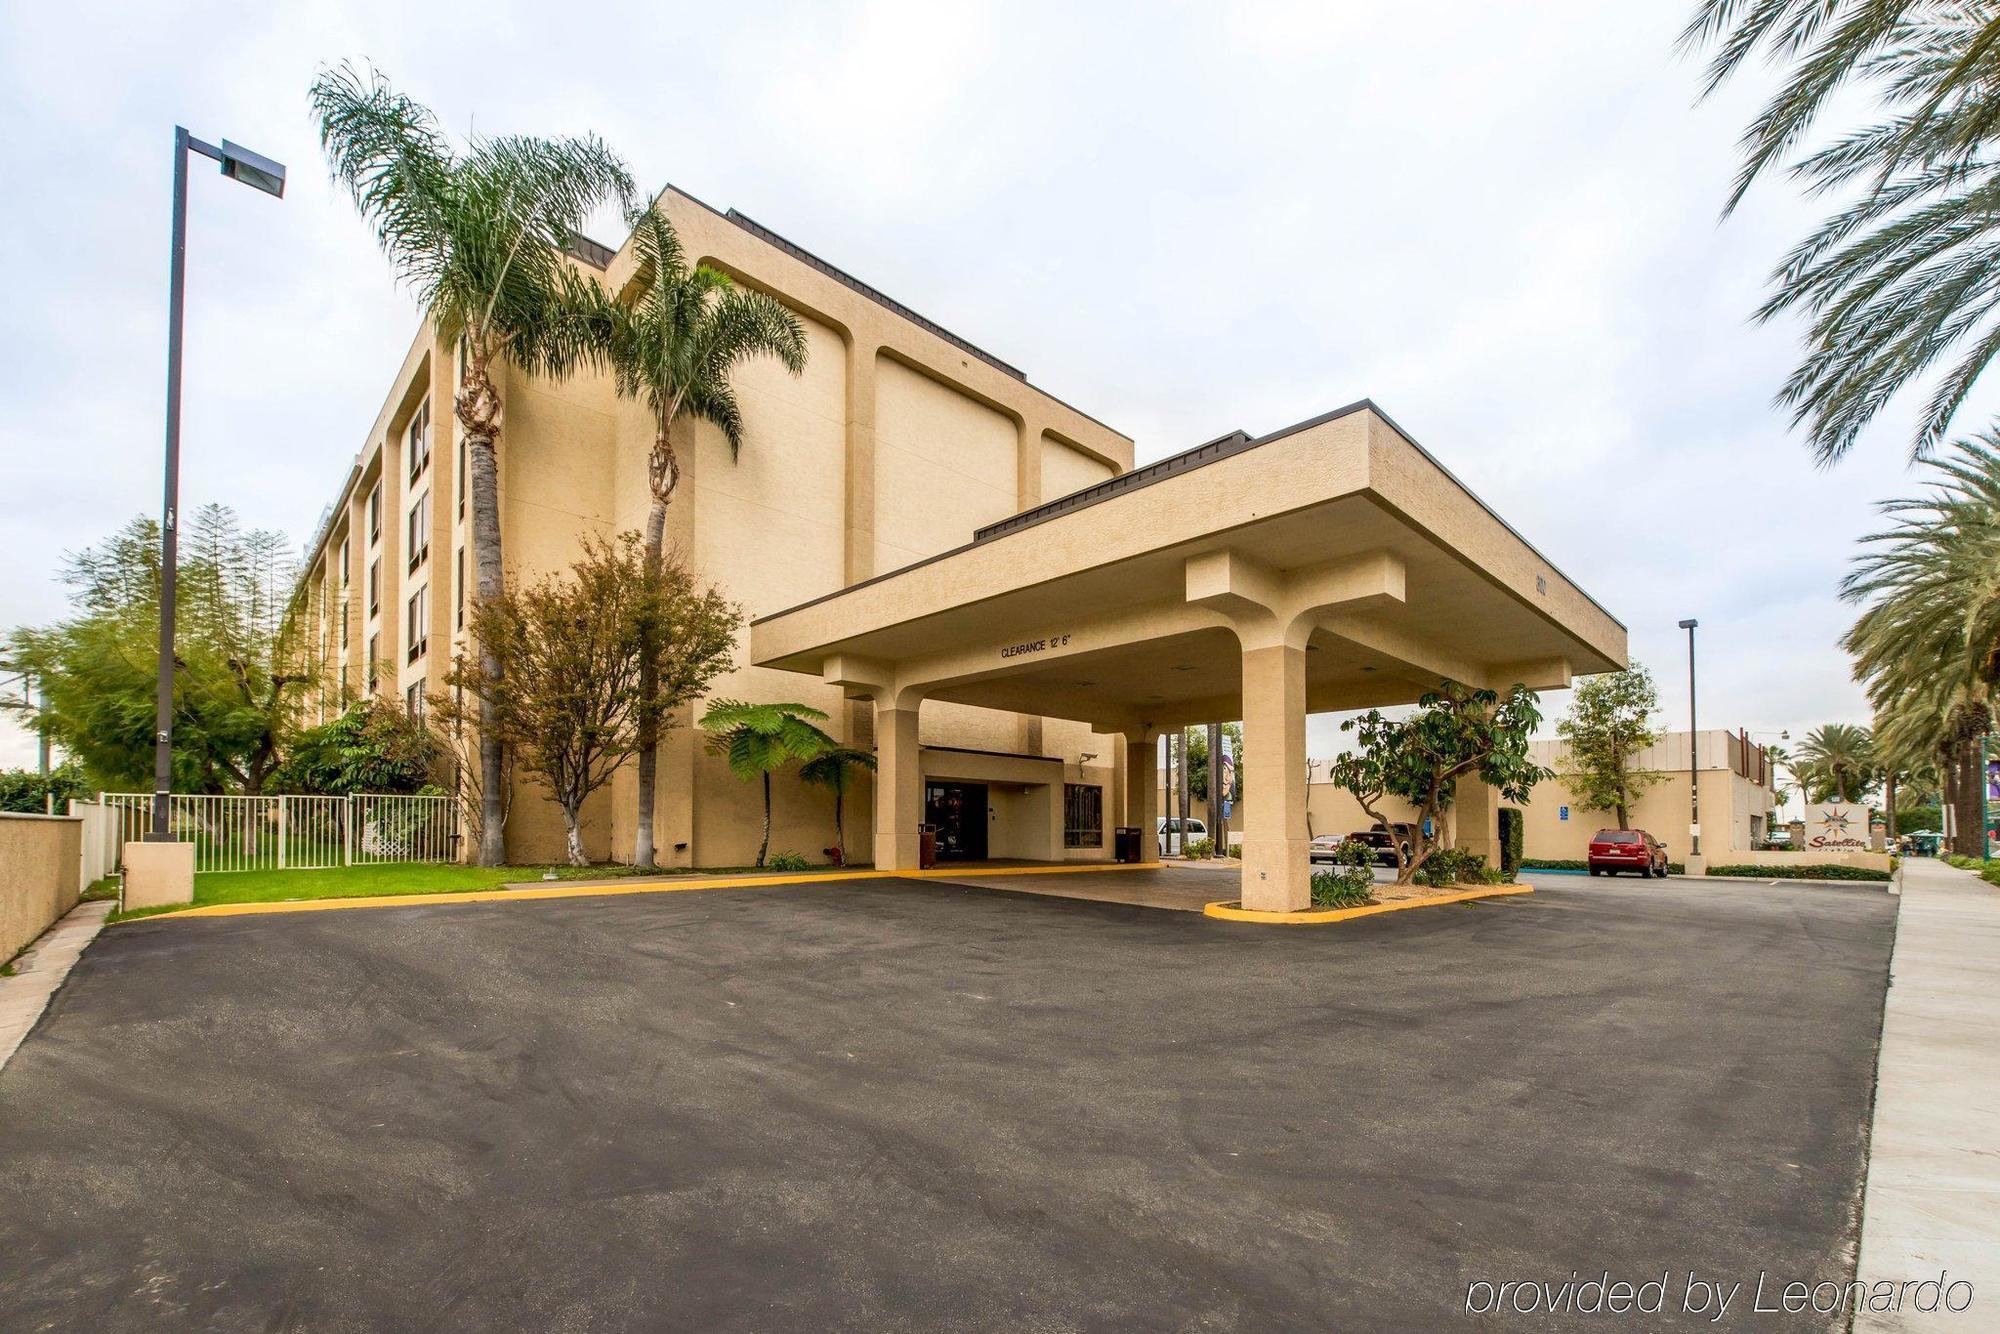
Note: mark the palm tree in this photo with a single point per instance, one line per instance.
(1900, 276)
(675, 346)
(1927, 646)
(1840, 760)
(481, 238)
(760, 739)
(835, 769)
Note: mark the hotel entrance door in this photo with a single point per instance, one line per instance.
(959, 812)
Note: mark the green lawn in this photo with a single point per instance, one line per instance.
(359, 882)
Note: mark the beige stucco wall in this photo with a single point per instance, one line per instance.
(40, 861)
(1066, 469)
(944, 463)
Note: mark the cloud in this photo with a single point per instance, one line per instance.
(1499, 222)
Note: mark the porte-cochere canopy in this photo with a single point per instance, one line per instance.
(1331, 565)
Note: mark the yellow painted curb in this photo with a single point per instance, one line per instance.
(607, 888)
(1228, 912)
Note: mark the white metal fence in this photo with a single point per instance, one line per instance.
(100, 841)
(402, 829)
(290, 833)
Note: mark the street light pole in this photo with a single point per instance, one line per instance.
(1694, 752)
(268, 176)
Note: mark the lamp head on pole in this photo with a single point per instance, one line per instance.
(1689, 624)
(253, 169)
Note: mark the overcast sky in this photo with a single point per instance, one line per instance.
(1500, 223)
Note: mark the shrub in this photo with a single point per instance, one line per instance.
(1513, 829)
(1553, 864)
(1198, 849)
(1350, 883)
(1815, 872)
(25, 790)
(788, 861)
(1496, 875)
(1451, 866)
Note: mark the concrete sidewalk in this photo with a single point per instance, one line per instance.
(42, 968)
(1933, 1193)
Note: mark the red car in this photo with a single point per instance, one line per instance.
(1615, 850)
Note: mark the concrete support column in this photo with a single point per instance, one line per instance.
(1277, 875)
(1141, 783)
(1475, 817)
(899, 789)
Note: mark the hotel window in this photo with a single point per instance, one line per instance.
(374, 585)
(344, 609)
(418, 606)
(413, 698)
(343, 682)
(418, 542)
(417, 443)
(344, 567)
(458, 590)
(368, 668)
(375, 515)
(461, 477)
(1083, 815)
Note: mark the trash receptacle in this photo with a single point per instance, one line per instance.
(1125, 843)
(926, 846)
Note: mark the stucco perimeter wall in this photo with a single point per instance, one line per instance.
(39, 860)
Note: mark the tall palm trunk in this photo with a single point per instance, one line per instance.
(765, 846)
(478, 410)
(839, 824)
(1889, 810)
(665, 472)
(1971, 800)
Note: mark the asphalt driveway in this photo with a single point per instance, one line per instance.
(877, 1105)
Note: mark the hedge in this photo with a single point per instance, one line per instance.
(1821, 871)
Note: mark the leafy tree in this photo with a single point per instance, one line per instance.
(567, 699)
(760, 739)
(27, 791)
(1609, 722)
(373, 747)
(1839, 761)
(835, 769)
(1455, 732)
(1197, 751)
(1900, 276)
(481, 236)
(675, 346)
(235, 681)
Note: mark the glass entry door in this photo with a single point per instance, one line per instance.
(959, 812)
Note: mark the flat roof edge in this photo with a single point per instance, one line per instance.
(1222, 447)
